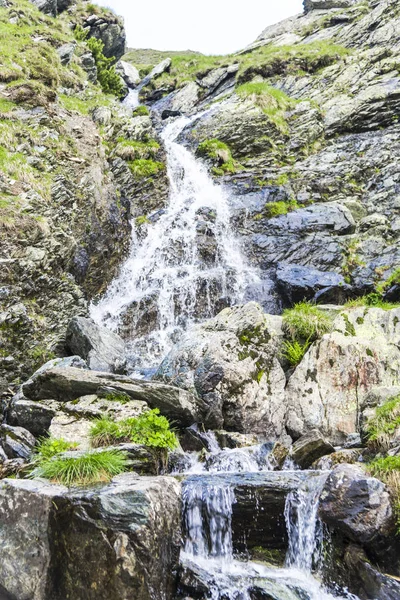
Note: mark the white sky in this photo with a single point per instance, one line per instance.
(208, 26)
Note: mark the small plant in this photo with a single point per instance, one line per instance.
(142, 220)
(80, 33)
(92, 467)
(306, 322)
(49, 447)
(393, 279)
(110, 81)
(141, 111)
(150, 429)
(373, 300)
(220, 154)
(117, 397)
(275, 209)
(294, 351)
(383, 425)
(388, 470)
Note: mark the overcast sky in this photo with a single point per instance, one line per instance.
(208, 26)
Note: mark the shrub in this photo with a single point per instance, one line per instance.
(110, 81)
(306, 322)
(393, 279)
(92, 467)
(150, 429)
(294, 351)
(141, 111)
(383, 425)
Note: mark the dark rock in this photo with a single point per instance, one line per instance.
(17, 442)
(108, 28)
(66, 52)
(102, 349)
(88, 64)
(49, 7)
(36, 417)
(166, 114)
(367, 581)
(309, 448)
(359, 507)
(297, 283)
(127, 531)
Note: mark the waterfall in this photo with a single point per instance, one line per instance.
(304, 528)
(188, 261)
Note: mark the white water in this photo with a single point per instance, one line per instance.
(166, 268)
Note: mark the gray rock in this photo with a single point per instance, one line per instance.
(16, 442)
(49, 7)
(128, 532)
(108, 28)
(36, 417)
(297, 283)
(128, 72)
(102, 349)
(69, 384)
(102, 115)
(230, 363)
(66, 52)
(88, 64)
(357, 505)
(309, 448)
(365, 580)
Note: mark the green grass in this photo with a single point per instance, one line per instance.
(294, 351)
(85, 105)
(150, 429)
(220, 154)
(141, 111)
(92, 467)
(383, 425)
(142, 167)
(132, 151)
(273, 102)
(117, 397)
(49, 447)
(388, 470)
(275, 209)
(373, 300)
(6, 105)
(306, 322)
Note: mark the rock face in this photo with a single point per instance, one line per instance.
(108, 28)
(365, 580)
(128, 532)
(230, 363)
(102, 349)
(327, 388)
(327, 4)
(70, 384)
(359, 508)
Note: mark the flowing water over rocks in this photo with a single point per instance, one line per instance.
(184, 269)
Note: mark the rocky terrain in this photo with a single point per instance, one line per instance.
(302, 379)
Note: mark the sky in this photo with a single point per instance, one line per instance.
(207, 26)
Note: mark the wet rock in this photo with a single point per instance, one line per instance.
(358, 506)
(325, 390)
(349, 456)
(103, 350)
(297, 283)
(71, 383)
(16, 442)
(278, 455)
(230, 363)
(128, 531)
(365, 580)
(232, 439)
(309, 448)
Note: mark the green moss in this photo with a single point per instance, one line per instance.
(142, 168)
(141, 111)
(6, 105)
(220, 154)
(150, 429)
(393, 279)
(275, 209)
(306, 322)
(349, 327)
(92, 467)
(117, 397)
(132, 150)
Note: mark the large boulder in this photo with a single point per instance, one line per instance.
(297, 283)
(358, 507)
(327, 387)
(103, 350)
(230, 362)
(117, 541)
(128, 72)
(71, 383)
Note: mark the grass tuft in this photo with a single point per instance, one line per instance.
(306, 322)
(294, 351)
(384, 424)
(49, 447)
(388, 470)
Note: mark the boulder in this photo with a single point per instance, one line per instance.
(16, 442)
(66, 52)
(36, 417)
(71, 383)
(122, 540)
(325, 390)
(309, 448)
(108, 28)
(357, 506)
(128, 72)
(349, 456)
(102, 115)
(103, 350)
(230, 362)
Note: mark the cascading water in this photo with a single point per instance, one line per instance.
(169, 269)
(208, 507)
